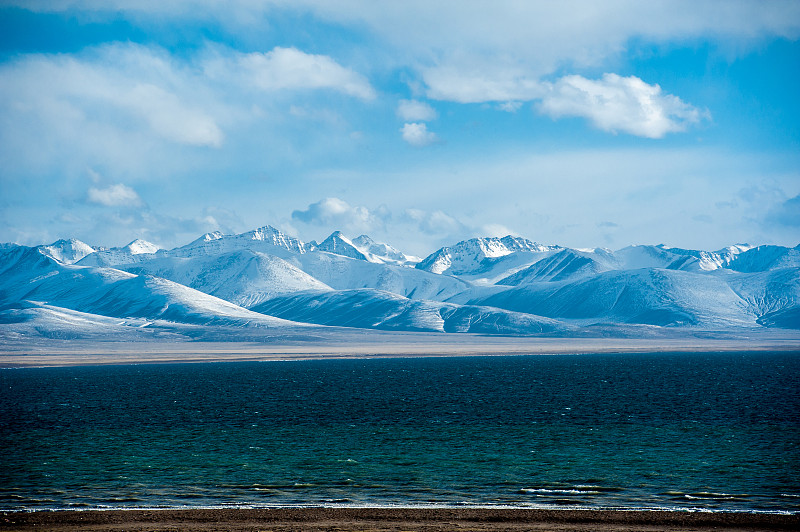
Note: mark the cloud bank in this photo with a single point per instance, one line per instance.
(127, 108)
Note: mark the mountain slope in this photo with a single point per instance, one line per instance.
(645, 296)
(368, 308)
(763, 258)
(242, 277)
(29, 275)
(344, 273)
(772, 296)
(567, 264)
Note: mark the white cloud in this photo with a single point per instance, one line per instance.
(613, 103)
(499, 230)
(115, 196)
(122, 107)
(335, 213)
(451, 41)
(132, 110)
(170, 119)
(469, 84)
(409, 229)
(413, 111)
(616, 103)
(510, 107)
(287, 69)
(417, 134)
(436, 223)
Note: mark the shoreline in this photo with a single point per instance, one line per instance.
(394, 518)
(84, 353)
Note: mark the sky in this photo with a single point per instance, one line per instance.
(419, 123)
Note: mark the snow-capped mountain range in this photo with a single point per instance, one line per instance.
(268, 280)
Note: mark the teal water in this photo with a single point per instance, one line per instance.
(712, 431)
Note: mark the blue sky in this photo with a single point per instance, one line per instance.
(419, 123)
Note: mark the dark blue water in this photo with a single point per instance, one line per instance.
(714, 431)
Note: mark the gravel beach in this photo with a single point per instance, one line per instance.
(397, 519)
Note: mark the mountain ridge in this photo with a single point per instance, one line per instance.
(488, 286)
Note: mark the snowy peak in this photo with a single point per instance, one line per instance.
(135, 252)
(208, 237)
(568, 264)
(660, 256)
(275, 237)
(515, 243)
(690, 259)
(468, 256)
(382, 252)
(67, 251)
(339, 244)
(265, 239)
(138, 247)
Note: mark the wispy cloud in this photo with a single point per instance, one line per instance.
(287, 69)
(128, 85)
(415, 111)
(114, 196)
(481, 83)
(786, 214)
(129, 108)
(337, 213)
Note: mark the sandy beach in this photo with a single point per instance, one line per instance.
(386, 519)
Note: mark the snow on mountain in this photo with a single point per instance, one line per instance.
(643, 296)
(344, 273)
(136, 251)
(642, 256)
(265, 239)
(714, 260)
(274, 237)
(567, 264)
(28, 320)
(763, 258)
(672, 258)
(248, 268)
(67, 251)
(474, 256)
(787, 318)
(339, 244)
(242, 277)
(380, 252)
(773, 296)
(27, 275)
(139, 246)
(504, 285)
(373, 309)
(574, 264)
